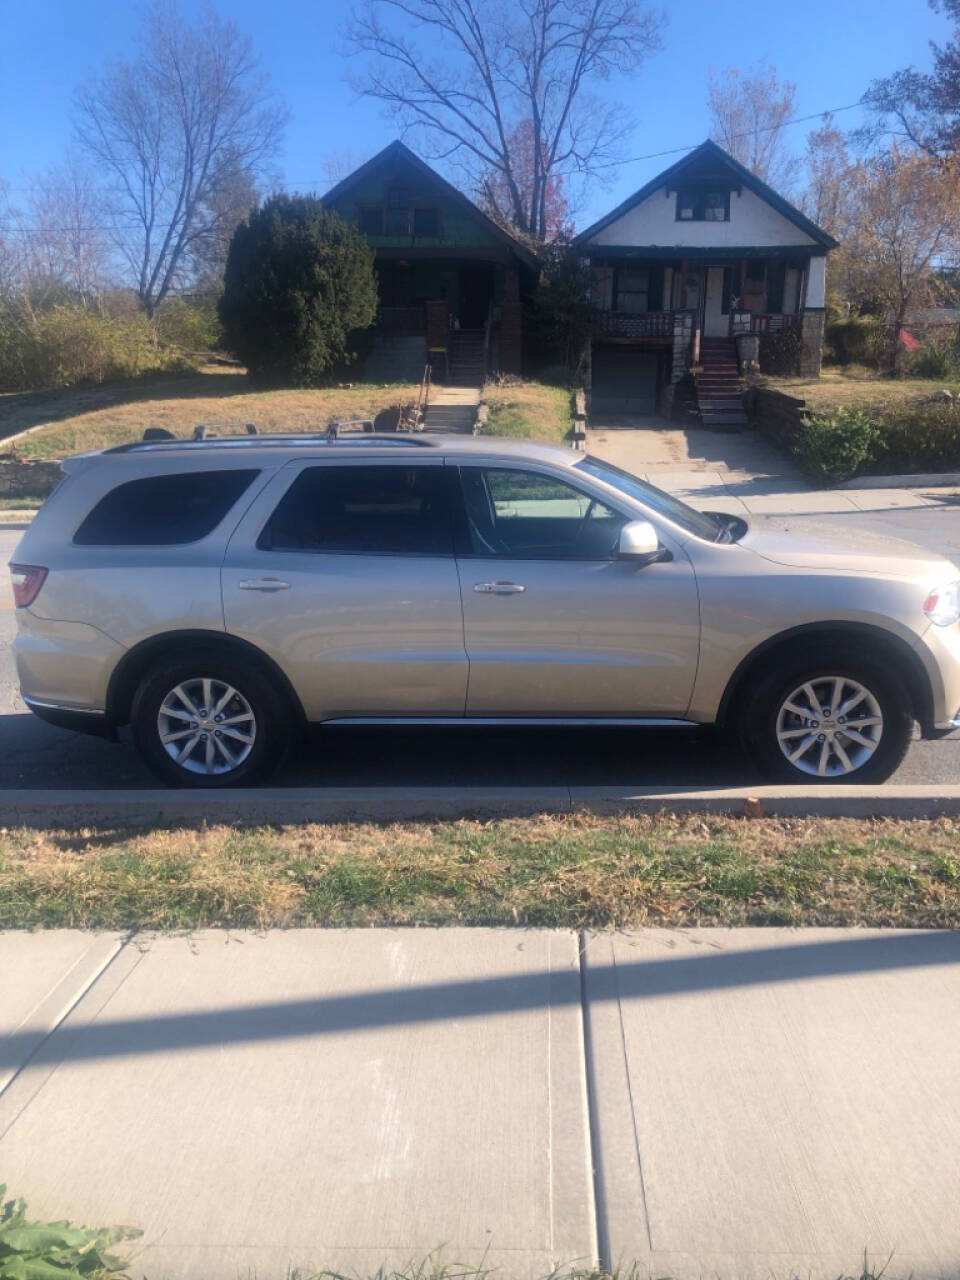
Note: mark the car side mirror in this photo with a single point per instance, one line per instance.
(639, 543)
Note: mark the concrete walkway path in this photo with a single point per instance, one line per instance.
(731, 1103)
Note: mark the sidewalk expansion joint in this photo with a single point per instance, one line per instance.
(598, 1206)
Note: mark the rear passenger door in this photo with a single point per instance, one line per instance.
(344, 573)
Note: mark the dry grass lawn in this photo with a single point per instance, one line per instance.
(528, 410)
(573, 871)
(855, 385)
(74, 421)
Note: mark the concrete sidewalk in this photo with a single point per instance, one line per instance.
(744, 474)
(731, 1103)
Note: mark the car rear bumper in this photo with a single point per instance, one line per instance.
(79, 719)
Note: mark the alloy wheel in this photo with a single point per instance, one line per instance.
(829, 726)
(206, 726)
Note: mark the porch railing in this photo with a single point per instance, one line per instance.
(748, 322)
(402, 320)
(633, 324)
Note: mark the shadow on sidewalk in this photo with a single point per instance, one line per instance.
(483, 997)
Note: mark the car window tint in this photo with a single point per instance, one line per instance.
(163, 510)
(528, 515)
(369, 509)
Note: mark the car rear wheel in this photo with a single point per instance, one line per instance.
(842, 719)
(206, 720)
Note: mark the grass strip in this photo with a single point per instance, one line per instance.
(573, 871)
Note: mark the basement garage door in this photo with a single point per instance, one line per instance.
(624, 382)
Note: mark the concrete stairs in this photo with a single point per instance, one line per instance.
(719, 388)
(396, 357)
(465, 359)
(452, 410)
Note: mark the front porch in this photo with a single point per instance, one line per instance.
(677, 309)
(459, 313)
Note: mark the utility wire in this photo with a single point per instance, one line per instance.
(612, 164)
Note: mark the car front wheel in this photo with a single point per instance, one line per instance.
(207, 721)
(834, 721)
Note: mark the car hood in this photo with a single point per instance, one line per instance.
(808, 544)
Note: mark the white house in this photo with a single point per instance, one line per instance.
(703, 253)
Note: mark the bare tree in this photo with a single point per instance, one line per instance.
(65, 245)
(494, 65)
(170, 131)
(747, 113)
(339, 163)
(494, 192)
(826, 198)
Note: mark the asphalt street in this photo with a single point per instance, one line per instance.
(35, 755)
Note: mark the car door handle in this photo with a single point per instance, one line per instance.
(263, 584)
(499, 588)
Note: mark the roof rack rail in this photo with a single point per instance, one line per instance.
(205, 431)
(275, 439)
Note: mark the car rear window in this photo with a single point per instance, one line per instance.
(367, 510)
(163, 510)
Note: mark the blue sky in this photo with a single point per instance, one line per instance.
(832, 49)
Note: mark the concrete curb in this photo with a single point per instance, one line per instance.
(378, 804)
(926, 479)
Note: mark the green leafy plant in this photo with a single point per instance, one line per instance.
(780, 352)
(936, 358)
(55, 1250)
(299, 282)
(855, 339)
(837, 445)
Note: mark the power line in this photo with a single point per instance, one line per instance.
(612, 164)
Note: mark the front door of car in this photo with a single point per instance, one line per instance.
(554, 623)
(343, 573)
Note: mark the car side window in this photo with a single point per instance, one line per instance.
(167, 510)
(364, 510)
(533, 516)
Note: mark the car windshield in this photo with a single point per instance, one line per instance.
(695, 522)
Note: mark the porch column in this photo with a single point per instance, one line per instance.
(813, 317)
(438, 331)
(511, 323)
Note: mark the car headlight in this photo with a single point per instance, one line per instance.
(942, 605)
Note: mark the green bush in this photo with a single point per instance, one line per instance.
(857, 340)
(192, 324)
(73, 342)
(780, 352)
(924, 436)
(936, 358)
(299, 280)
(47, 1250)
(836, 446)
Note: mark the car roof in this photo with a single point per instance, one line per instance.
(356, 445)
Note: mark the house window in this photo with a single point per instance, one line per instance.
(703, 204)
(633, 284)
(398, 211)
(426, 222)
(371, 220)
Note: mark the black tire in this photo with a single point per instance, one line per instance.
(270, 712)
(767, 690)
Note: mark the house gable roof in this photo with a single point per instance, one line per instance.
(710, 152)
(399, 151)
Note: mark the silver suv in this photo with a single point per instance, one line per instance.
(217, 595)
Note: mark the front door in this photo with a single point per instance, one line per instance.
(345, 576)
(716, 323)
(554, 623)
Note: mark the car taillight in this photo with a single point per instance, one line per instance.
(27, 581)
